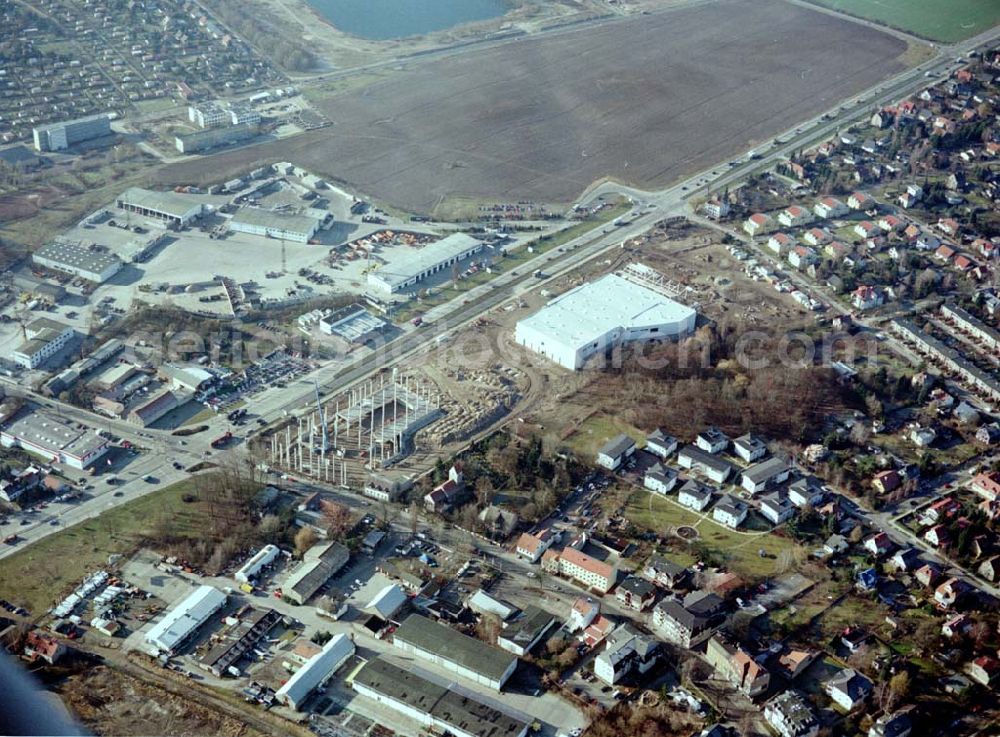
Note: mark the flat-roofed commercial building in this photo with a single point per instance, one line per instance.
(114, 376)
(271, 224)
(258, 562)
(521, 636)
(55, 439)
(228, 651)
(431, 259)
(353, 323)
(177, 210)
(181, 622)
(44, 338)
(455, 652)
(316, 671)
(60, 136)
(208, 138)
(208, 115)
(595, 317)
(92, 265)
(440, 708)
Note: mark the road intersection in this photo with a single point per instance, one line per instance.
(275, 406)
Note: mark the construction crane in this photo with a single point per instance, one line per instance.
(322, 418)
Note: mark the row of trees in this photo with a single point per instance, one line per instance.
(713, 378)
(264, 32)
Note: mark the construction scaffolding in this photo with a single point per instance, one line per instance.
(646, 276)
(366, 428)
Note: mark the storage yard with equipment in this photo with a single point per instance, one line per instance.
(600, 368)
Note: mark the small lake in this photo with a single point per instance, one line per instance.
(386, 19)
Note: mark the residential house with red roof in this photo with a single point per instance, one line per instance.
(928, 574)
(879, 544)
(942, 509)
(817, 236)
(984, 670)
(860, 201)
(581, 567)
(780, 243)
(886, 481)
(986, 484)
(867, 298)
(531, 546)
(945, 253)
(948, 226)
(40, 646)
(795, 216)
(830, 207)
(866, 229)
(890, 223)
(757, 224)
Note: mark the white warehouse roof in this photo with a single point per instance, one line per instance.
(181, 621)
(316, 670)
(610, 308)
(401, 270)
(387, 602)
(264, 556)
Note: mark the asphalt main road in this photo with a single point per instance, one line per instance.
(649, 208)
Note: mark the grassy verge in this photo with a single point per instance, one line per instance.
(939, 21)
(38, 575)
(740, 551)
(595, 431)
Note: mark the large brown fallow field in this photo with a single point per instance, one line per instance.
(644, 100)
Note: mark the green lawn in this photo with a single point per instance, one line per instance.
(595, 431)
(40, 574)
(938, 20)
(740, 551)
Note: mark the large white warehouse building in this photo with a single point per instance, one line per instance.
(185, 619)
(273, 224)
(316, 671)
(597, 316)
(407, 271)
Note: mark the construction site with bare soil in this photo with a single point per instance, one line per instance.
(578, 411)
(107, 700)
(400, 420)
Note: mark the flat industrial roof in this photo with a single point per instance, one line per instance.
(452, 645)
(169, 203)
(56, 435)
(75, 121)
(471, 714)
(77, 257)
(40, 324)
(353, 322)
(401, 270)
(529, 626)
(186, 617)
(317, 669)
(277, 220)
(589, 312)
